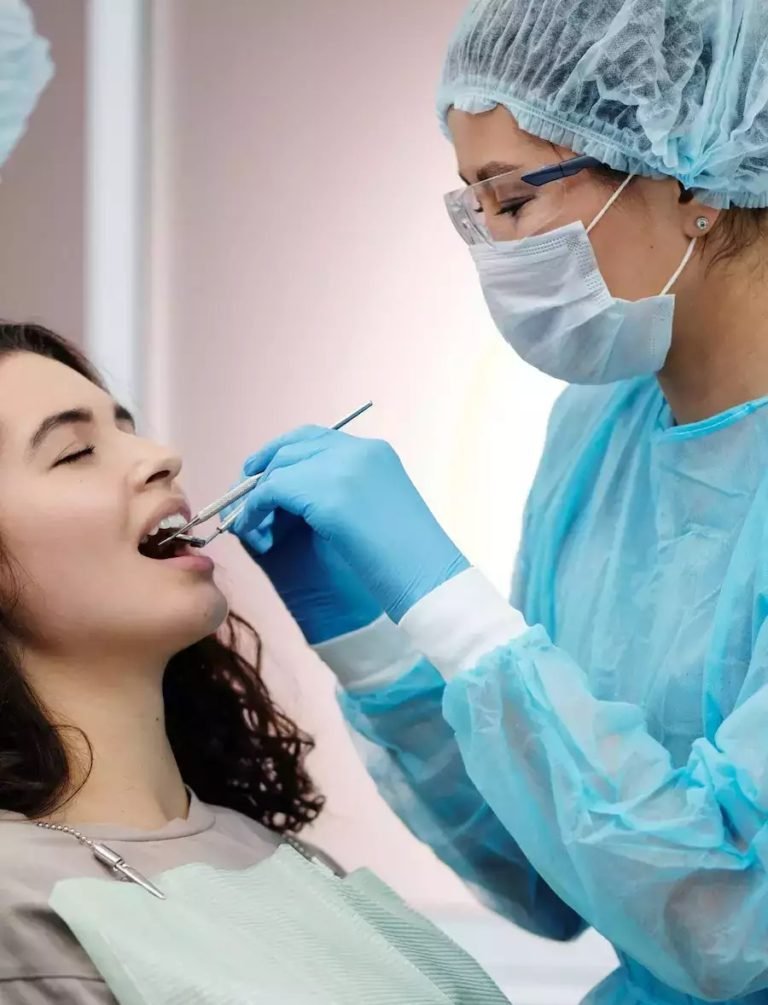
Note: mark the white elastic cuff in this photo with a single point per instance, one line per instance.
(460, 622)
(370, 658)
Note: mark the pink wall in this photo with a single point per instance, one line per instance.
(303, 265)
(42, 190)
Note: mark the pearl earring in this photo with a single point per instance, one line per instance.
(703, 223)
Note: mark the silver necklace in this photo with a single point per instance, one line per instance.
(104, 854)
(127, 874)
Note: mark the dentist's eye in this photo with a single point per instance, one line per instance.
(512, 208)
(78, 455)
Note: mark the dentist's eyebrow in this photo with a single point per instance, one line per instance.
(492, 170)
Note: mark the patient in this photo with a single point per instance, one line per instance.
(124, 716)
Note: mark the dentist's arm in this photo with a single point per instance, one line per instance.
(393, 698)
(668, 863)
(394, 702)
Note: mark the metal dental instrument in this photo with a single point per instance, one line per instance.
(195, 542)
(232, 496)
(201, 542)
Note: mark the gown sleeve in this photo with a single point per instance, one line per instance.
(667, 863)
(393, 699)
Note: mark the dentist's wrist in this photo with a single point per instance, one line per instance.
(460, 622)
(421, 585)
(370, 658)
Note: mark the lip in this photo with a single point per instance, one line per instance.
(178, 504)
(191, 561)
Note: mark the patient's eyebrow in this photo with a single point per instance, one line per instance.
(71, 417)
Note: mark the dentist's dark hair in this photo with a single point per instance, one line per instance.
(234, 745)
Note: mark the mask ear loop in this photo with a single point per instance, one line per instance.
(616, 195)
(682, 268)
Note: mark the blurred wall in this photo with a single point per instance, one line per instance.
(43, 184)
(303, 263)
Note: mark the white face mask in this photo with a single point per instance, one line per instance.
(552, 305)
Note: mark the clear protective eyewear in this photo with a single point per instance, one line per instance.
(514, 205)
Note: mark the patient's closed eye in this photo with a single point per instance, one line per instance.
(76, 456)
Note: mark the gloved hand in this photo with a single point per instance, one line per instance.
(316, 585)
(355, 495)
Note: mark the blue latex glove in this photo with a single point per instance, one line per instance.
(317, 586)
(355, 495)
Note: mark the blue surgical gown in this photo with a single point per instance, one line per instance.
(609, 767)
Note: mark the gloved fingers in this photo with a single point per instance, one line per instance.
(261, 539)
(281, 526)
(327, 478)
(262, 459)
(299, 445)
(300, 451)
(271, 532)
(283, 490)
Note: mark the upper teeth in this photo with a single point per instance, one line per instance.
(172, 522)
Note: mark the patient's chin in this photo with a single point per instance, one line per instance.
(209, 618)
(193, 621)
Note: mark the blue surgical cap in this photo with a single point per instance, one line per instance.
(25, 69)
(653, 87)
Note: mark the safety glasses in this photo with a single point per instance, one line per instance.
(514, 205)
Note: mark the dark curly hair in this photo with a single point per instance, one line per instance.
(233, 745)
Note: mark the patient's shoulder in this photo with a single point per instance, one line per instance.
(35, 943)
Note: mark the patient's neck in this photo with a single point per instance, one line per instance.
(134, 780)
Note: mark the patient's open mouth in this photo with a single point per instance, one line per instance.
(150, 544)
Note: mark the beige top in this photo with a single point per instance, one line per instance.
(41, 962)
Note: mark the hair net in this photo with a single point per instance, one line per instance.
(25, 69)
(654, 87)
